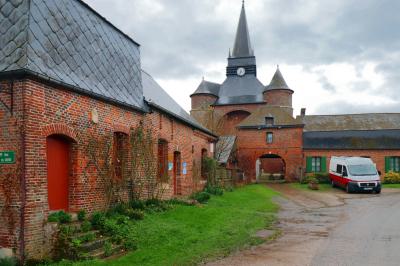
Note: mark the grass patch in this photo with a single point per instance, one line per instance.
(391, 186)
(187, 235)
(322, 187)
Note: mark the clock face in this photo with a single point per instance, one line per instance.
(241, 71)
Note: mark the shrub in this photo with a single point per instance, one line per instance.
(86, 226)
(392, 178)
(59, 217)
(323, 178)
(214, 190)
(107, 249)
(137, 204)
(8, 262)
(81, 215)
(201, 197)
(98, 219)
(135, 214)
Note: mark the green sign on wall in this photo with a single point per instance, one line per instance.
(7, 157)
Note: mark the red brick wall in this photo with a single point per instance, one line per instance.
(287, 143)
(53, 110)
(272, 165)
(378, 156)
(278, 97)
(201, 101)
(10, 140)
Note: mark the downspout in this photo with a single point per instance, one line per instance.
(23, 181)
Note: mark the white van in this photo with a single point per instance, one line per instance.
(354, 174)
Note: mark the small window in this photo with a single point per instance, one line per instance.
(316, 164)
(162, 159)
(269, 121)
(270, 137)
(339, 169)
(203, 165)
(120, 154)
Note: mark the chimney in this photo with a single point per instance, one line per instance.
(303, 112)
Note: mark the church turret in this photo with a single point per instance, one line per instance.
(242, 60)
(278, 93)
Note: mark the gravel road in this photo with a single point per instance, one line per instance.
(330, 228)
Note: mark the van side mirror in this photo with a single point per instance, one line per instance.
(379, 173)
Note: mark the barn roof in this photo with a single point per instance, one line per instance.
(352, 140)
(68, 42)
(371, 121)
(157, 97)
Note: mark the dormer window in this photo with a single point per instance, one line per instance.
(269, 121)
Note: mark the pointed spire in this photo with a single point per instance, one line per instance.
(242, 46)
(278, 82)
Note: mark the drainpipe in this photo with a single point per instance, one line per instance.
(23, 181)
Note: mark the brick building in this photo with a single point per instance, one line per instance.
(69, 80)
(269, 139)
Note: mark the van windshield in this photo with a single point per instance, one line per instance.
(362, 169)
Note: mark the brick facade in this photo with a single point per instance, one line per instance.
(53, 110)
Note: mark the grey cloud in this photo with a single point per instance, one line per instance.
(344, 107)
(187, 35)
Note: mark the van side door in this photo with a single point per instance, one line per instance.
(339, 169)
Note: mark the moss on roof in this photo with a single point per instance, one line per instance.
(282, 117)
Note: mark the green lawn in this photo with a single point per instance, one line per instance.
(322, 187)
(391, 186)
(186, 235)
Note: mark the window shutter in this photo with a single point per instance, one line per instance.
(387, 164)
(323, 164)
(309, 164)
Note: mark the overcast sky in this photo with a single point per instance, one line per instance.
(339, 56)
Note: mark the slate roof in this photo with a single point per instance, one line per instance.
(241, 90)
(207, 87)
(277, 82)
(157, 97)
(352, 140)
(372, 121)
(242, 46)
(282, 117)
(224, 148)
(68, 42)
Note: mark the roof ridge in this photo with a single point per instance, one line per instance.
(394, 113)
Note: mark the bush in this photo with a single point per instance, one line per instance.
(8, 262)
(323, 178)
(201, 197)
(98, 219)
(135, 214)
(392, 178)
(137, 204)
(86, 226)
(59, 217)
(81, 215)
(214, 190)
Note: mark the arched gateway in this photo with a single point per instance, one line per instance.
(270, 167)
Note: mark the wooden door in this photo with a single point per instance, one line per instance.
(58, 167)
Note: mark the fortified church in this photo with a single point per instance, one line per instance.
(261, 136)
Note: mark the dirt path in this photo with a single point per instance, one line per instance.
(306, 220)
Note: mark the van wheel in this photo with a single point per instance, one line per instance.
(333, 184)
(348, 189)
